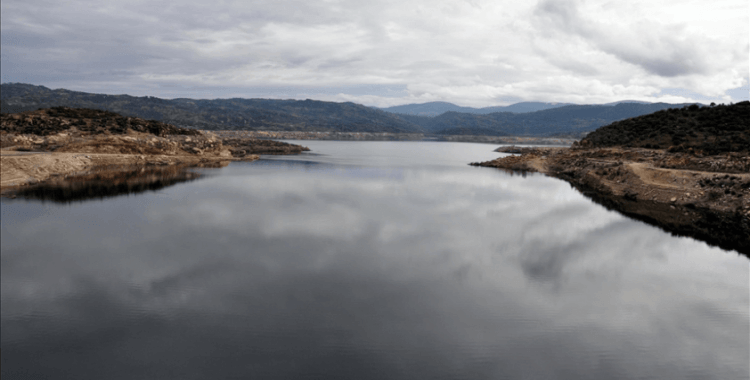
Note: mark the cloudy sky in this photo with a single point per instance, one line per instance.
(384, 52)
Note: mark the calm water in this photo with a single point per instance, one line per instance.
(363, 260)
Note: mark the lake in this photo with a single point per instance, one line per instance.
(363, 260)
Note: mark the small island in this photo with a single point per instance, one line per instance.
(685, 170)
(53, 143)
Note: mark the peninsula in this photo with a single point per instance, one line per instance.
(685, 170)
(56, 142)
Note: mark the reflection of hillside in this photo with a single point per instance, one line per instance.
(727, 230)
(331, 169)
(684, 170)
(110, 182)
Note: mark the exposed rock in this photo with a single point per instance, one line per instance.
(243, 146)
(704, 204)
(58, 132)
(54, 120)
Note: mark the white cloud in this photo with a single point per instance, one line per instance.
(476, 53)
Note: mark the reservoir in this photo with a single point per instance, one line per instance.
(363, 260)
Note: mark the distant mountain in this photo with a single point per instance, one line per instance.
(625, 101)
(438, 108)
(226, 114)
(312, 115)
(571, 120)
(523, 107)
(428, 109)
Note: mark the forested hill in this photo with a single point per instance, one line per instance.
(572, 120)
(438, 108)
(713, 129)
(226, 114)
(312, 115)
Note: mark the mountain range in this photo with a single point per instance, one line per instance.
(438, 108)
(529, 118)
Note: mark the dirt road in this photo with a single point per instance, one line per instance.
(703, 197)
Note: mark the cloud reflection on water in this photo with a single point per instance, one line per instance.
(438, 272)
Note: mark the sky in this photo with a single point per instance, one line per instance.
(383, 53)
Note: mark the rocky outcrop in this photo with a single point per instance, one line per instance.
(63, 129)
(685, 170)
(55, 120)
(244, 146)
(705, 197)
(40, 144)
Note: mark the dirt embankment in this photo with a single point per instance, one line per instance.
(57, 142)
(705, 197)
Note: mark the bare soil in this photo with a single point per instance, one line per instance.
(705, 197)
(32, 168)
(59, 142)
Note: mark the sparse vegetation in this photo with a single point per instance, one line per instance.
(215, 114)
(685, 170)
(693, 129)
(310, 115)
(65, 140)
(58, 119)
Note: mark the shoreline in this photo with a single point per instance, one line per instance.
(59, 142)
(706, 198)
(22, 169)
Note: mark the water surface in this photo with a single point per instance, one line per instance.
(368, 260)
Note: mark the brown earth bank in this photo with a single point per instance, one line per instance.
(686, 170)
(706, 197)
(57, 142)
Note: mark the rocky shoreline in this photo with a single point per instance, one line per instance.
(704, 197)
(50, 144)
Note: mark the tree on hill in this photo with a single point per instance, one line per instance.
(712, 130)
